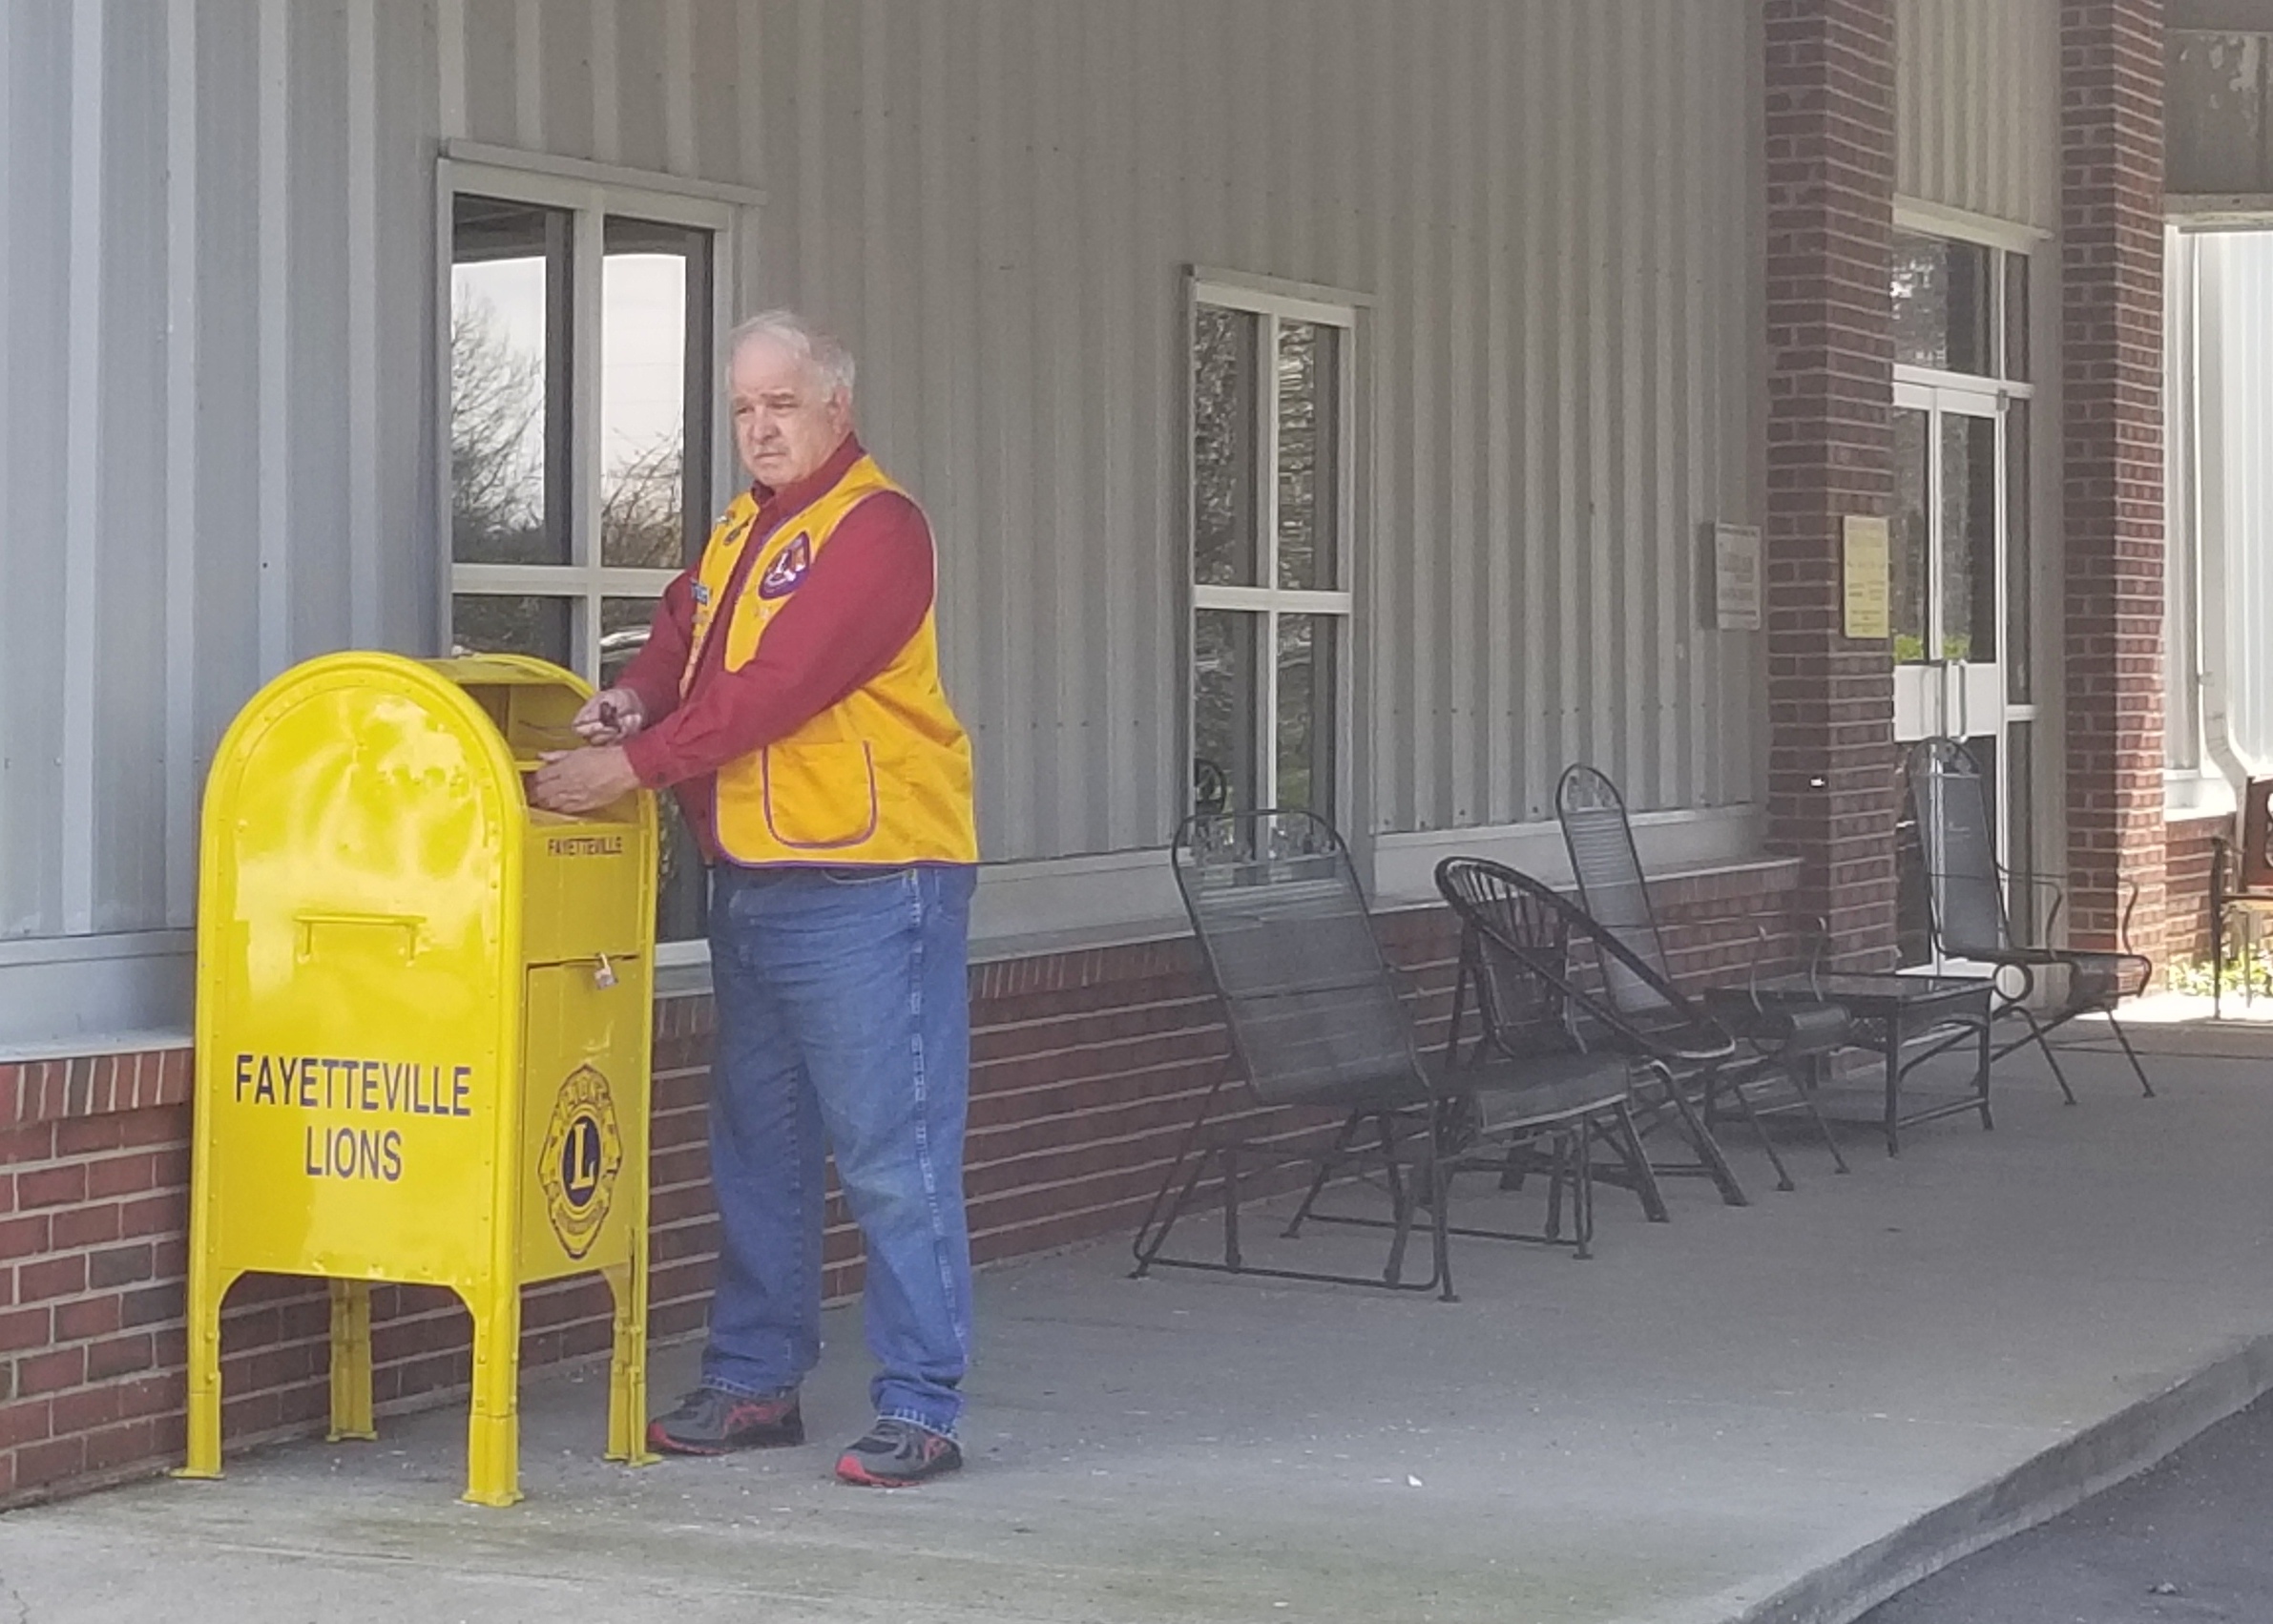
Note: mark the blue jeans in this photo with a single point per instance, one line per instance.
(843, 1007)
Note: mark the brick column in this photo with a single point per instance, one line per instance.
(1833, 790)
(2111, 260)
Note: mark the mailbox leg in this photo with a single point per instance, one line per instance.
(208, 1286)
(627, 1371)
(351, 1360)
(493, 1436)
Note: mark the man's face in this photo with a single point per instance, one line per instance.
(786, 423)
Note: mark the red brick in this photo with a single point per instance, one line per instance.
(24, 1236)
(87, 1136)
(53, 1277)
(85, 1410)
(89, 1317)
(119, 1265)
(149, 1304)
(25, 1327)
(51, 1461)
(162, 1214)
(35, 1142)
(51, 1186)
(24, 1421)
(46, 1372)
(76, 1227)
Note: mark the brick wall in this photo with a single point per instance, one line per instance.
(1831, 210)
(1085, 1069)
(2186, 884)
(2111, 258)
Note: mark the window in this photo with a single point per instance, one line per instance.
(1271, 535)
(583, 322)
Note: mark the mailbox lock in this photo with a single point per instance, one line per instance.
(603, 973)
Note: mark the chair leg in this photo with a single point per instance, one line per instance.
(1582, 1203)
(2124, 1038)
(2044, 1043)
(1558, 1171)
(1627, 1143)
(1440, 1218)
(1326, 1170)
(1149, 1241)
(1232, 1260)
(1708, 1149)
(1149, 1238)
(1815, 1114)
(1760, 1131)
(1400, 1199)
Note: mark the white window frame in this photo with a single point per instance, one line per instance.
(584, 579)
(591, 192)
(1273, 302)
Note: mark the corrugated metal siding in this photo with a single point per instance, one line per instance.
(214, 283)
(219, 290)
(1977, 107)
(1551, 204)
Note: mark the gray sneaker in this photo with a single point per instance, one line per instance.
(708, 1422)
(898, 1454)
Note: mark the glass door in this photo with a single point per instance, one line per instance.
(1947, 541)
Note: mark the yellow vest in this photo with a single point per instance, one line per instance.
(884, 776)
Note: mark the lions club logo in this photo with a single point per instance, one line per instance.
(788, 571)
(583, 1153)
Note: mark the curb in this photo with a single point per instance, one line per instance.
(2035, 1492)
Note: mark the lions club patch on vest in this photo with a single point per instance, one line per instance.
(582, 1155)
(788, 571)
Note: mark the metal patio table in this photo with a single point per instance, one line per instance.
(1890, 1011)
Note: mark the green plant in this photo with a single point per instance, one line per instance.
(2186, 973)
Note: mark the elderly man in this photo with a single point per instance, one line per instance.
(790, 692)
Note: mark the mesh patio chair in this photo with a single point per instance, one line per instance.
(1966, 892)
(1521, 1010)
(1792, 1041)
(1315, 1021)
(1680, 1055)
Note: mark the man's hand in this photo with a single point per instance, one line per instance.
(581, 781)
(610, 717)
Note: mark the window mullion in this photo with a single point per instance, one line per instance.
(1266, 551)
(1266, 451)
(1266, 675)
(584, 376)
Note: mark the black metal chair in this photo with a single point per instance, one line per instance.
(1966, 910)
(1520, 1012)
(1681, 1056)
(1793, 1041)
(1315, 1020)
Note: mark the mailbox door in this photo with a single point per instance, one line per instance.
(584, 1117)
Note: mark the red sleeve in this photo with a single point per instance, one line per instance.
(655, 671)
(865, 596)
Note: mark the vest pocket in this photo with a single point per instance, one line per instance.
(820, 797)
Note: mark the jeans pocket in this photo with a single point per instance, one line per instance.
(859, 878)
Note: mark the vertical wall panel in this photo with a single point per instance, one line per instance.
(1547, 206)
(35, 168)
(1976, 107)
(217, 271)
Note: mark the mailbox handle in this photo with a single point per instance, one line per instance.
(408, 923)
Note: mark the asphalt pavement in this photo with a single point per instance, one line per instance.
(2191, 1539)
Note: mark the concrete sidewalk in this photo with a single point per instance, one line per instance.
(1743, 1414)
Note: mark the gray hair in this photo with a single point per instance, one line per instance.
(829, 359)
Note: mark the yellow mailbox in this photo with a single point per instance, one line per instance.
(422, 1026)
